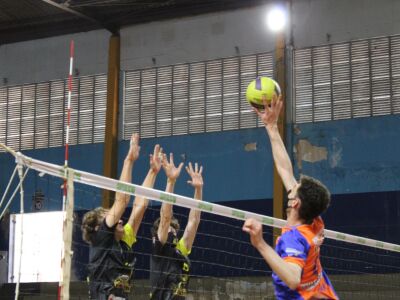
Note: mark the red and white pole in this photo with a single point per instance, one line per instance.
(71, 65)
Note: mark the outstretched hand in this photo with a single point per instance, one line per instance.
(254, 229)
(134, 148)
(156, 159)
(196, 175)
(269, 116)
(171, 171)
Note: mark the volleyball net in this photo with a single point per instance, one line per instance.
(224, 265)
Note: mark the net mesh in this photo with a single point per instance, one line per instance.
(224, 265)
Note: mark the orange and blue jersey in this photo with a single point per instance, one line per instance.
(300, 245)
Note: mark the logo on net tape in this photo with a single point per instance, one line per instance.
(205, 206)
(125, 188)
(238, 214)
(168, 198)
(266, 220)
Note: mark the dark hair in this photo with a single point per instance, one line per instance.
(174, 224)
(90, 221)
(315, 198)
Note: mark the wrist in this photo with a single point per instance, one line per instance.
(171, 181)
(259, 244)
(271, 127)
(129, 160)
(152, 172)
(198, 193)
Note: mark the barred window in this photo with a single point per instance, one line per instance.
(33, 116)
(347, 80)
(190, 98)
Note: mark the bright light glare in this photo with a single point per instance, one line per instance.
(276, 19)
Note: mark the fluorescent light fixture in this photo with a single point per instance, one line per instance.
(276, 18)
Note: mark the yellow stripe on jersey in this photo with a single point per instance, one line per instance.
(181, 247)
(129, 238)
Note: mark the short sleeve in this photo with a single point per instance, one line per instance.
(104, 235)
(129, 237)
(182, 248)
(293, 247)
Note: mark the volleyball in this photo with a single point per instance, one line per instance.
(261, 86)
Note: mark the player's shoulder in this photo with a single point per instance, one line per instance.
(309, 231)
(292, 243)
(293, 234)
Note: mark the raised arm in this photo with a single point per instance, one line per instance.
(288, 272)
(270, 116)
(140, 203)
(121, 200)
(194, 216)
(172, 174)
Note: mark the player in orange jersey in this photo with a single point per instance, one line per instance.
(296, 266)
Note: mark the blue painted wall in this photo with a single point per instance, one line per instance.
(363, 154)
(230, 172)
(85, 157)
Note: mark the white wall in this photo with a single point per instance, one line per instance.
(196, 38)
(47, 59)
(343, 20)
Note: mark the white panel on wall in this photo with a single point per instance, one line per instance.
(48, 58)
(196, 38)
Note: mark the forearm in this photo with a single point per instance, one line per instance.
(281, 158)
(287, 272)
(126, 176)
(194, 215)
(166, 208)
(140, 203)
(121, 199)
(165, 214)
(148, 183)
(193, 222)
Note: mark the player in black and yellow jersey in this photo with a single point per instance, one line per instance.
(169, 264)
(111, 258)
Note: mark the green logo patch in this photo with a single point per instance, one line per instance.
(238, 214)
(340, 236)
(266, 220)
(125, 188)
(77, 176)
(168, 198)
(205, 206)
(361, 241)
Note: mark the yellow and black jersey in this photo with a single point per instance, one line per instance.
(169, 270)
(110, 260)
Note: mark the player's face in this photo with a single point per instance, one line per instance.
(292, 199)
(172, 229)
